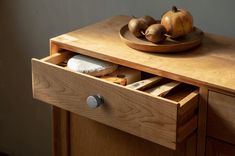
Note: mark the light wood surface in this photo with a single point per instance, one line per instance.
(187, 116)
(221, 117)
(219, 148)
(162, 90)
(211, 65)
(90, 138)
(150, 117)
(144, 84)
(186, 110)
(58, 57)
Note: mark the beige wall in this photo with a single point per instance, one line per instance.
(25, 28)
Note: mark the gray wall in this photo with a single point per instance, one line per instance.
(25, 28)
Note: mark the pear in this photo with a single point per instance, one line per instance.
(137, 27)
(148, 20)
(155, 33)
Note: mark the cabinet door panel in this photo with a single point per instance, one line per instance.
(88, 137)
(219, 148)
(220, 122)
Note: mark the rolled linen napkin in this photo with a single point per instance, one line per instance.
(90, 66)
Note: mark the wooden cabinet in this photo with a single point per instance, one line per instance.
(131, 122)
(219, 148)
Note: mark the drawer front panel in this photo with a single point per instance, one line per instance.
(138, 113)
(221, 117)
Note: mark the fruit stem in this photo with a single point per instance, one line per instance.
(142, 32)
(174, 9)
(133, 16)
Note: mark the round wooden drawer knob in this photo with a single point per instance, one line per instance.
(94, 101)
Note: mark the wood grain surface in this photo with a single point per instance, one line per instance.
(221, 117)
(202, 121)
(60, 136)
(150, 117)
(90, 138)
(146, 83)
(219, 148)
(212, 64)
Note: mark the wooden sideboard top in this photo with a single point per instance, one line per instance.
(212, 64)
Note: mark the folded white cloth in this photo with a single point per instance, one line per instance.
(91, 66)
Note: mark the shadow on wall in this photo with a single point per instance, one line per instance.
(3, 154)
(24, 122)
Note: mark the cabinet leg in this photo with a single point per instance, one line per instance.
(202, 118)
(61, 142)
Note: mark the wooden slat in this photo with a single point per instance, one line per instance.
(143, 84)
(221, 115)
(132, 111)
(163, 89)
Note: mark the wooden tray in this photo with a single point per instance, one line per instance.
(169, 45)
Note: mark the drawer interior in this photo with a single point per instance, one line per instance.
(176, 94)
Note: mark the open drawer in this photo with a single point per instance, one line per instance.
(165, 121)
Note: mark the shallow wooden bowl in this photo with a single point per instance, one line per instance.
(168, 46)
